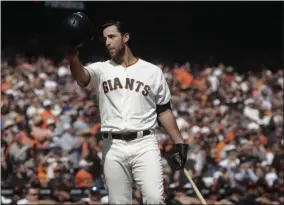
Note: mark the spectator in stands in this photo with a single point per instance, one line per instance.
(47, 114)
(94, 196)
(90, 154)
(83, 177)
(31, 197)
(71, 144)
(60, 187)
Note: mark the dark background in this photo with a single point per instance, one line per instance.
(247, 35)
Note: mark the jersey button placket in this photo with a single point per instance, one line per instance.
(124, 98)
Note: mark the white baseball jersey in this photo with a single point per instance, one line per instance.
(128, 96)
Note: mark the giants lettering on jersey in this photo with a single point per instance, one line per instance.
(130, 84)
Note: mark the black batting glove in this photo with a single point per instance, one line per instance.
(179, 155)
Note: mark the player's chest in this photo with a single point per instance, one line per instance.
(131, 80)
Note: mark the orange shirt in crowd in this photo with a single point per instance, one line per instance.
(184, 77)
(83, 179)
(267, 113)
(200, 83)
(42, 174)
(258, 84)
(230, 136)
(4, 86)
(45, 116)
(219, 148)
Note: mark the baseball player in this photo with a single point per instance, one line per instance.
(132, 95)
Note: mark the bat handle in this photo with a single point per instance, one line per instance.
(199, 195)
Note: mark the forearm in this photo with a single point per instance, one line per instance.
(79, 73)
(168, 122)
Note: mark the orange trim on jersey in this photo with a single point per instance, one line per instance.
(133, 63)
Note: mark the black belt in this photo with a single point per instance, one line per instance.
(127, 136)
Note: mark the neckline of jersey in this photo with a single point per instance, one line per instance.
(137, 59)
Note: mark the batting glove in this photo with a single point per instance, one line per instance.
(179, 155)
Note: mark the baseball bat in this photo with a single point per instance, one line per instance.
(199, 195)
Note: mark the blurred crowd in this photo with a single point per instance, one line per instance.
(51, 146)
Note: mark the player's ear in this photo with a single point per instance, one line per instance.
(126, 38)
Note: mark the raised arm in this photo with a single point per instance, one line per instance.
(79, 73)
(77, 30)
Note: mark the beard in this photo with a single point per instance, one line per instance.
(117, 53)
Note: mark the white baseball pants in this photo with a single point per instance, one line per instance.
(139, 160)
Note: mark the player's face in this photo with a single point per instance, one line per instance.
(114, 41)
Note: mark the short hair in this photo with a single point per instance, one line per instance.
(121, 26)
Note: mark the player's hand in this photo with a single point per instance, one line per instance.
(71, 52)
(179, 155)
